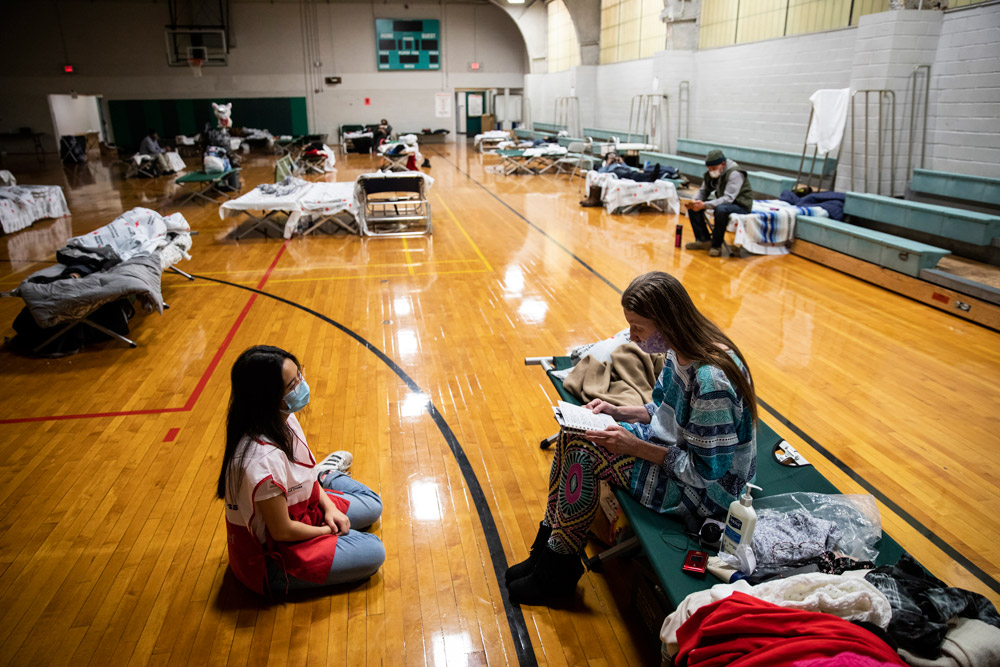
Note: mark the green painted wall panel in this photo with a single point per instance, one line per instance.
(130, 119)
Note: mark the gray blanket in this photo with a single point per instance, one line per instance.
(73, 299)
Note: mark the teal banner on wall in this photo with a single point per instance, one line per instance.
(408, 44)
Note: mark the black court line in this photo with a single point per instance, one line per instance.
(515, 618)
(915, 523)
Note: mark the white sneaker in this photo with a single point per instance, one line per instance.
(340, 461)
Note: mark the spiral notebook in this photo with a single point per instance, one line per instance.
(578, 419)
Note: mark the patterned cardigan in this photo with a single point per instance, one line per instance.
(710, 439)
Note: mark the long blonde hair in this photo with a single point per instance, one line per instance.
(660, 297)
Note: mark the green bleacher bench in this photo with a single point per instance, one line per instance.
(952, 223)
(761, 157)
(885, 250)
(609, 135)
(548, 128)
(957, 186)
(566, 141)
(664, 539)
(763, 182)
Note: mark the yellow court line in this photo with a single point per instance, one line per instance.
(316, 280)
(406, 254)
(469, 238)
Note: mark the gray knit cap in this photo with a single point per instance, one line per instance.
(714, 157)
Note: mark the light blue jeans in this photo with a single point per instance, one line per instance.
(359, 555)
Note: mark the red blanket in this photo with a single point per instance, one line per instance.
(740, 631)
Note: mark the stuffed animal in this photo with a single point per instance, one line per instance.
(224, 112)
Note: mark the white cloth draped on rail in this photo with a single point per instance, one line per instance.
(829, 117)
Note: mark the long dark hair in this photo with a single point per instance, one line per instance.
(255, 409)
(660, 297)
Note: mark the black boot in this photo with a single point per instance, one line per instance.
(554, 577)
(593, 197)
(524, 568)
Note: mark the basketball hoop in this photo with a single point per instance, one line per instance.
(195, 65)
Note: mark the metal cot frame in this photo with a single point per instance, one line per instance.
(393, 205)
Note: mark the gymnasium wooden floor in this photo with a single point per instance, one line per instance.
(112, 545)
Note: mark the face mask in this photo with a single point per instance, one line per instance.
(715, 174)
(297, 398)
(654, 343)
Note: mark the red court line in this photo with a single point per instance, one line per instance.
(202, 382)
(171, 434)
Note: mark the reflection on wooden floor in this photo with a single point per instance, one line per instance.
(112, 546)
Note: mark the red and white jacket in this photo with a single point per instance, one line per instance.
(267, 473)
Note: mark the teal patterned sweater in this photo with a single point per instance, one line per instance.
(711, 443)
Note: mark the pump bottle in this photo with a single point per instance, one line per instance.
(740, 522)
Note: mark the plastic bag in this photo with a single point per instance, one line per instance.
(856, 517)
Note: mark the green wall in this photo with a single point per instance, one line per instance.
(131, 119)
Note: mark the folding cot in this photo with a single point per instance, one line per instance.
(397, 153)
(146, 166)
(22, 205)
(304, 203)
(489, 141)
(393, 203)
(207, 182)
(144, 244)
(621, 195)
(269, 199)
(536, 160)
(665, 540)
(354, 138)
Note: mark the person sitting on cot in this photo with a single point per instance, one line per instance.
(689, 452)
(291, 523)
(381, 132)
(150, 145)
(725, 190)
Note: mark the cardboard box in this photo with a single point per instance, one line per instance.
(489, 122)
(610, 525)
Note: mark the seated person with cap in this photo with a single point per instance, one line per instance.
(729, 188)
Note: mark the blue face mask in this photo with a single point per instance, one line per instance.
(654, 343)
(297, 398)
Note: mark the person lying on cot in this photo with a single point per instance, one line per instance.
(291, 523)
(614, 164)
(689, 452)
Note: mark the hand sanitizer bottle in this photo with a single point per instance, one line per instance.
(740, 522)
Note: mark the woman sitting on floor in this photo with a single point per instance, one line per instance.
(690, 452)
(291, 523)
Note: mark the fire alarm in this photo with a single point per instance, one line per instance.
(368, 101)
(475, 67)
(68, 69)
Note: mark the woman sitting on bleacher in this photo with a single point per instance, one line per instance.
(690, 452)
(291, 523)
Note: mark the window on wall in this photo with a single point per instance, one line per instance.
(564, 48)
(631, 29)
(725, 22)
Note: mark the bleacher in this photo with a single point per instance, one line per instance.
(779, 161)
(962, 190)
(764, 183)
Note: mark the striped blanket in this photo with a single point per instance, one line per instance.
(770, 226)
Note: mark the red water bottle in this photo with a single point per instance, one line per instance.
(678, 235)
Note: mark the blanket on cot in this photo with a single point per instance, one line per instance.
(769, 226)
(284, 196)
(620, 193)
(23, 205)
(627, 379)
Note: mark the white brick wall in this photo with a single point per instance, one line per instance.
(964, 126)
(758, 94)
